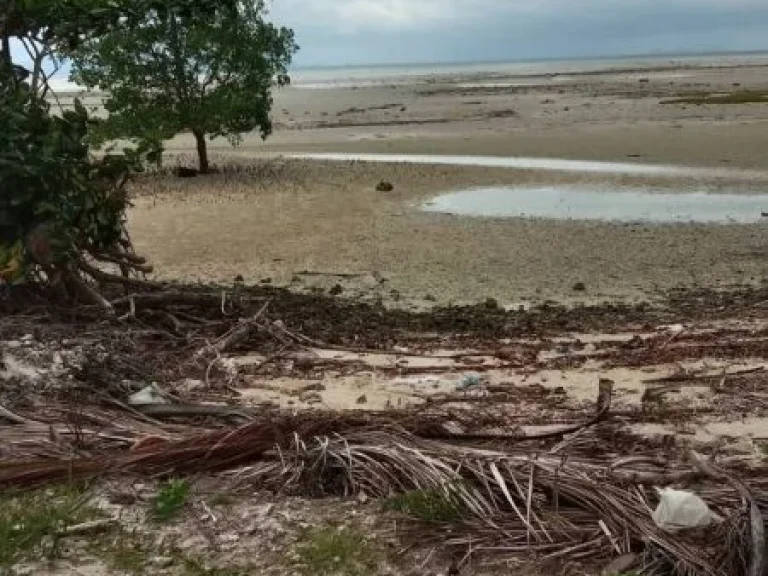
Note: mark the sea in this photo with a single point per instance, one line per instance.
(487, 73)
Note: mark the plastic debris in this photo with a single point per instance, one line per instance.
(147, 396)
(679, 510)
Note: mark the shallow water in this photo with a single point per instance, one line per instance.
(544, 164)
(588, 203)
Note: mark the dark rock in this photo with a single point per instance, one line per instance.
(363, 399)
(384, 186)
(492, 304)
(185, 172)
(311, 398)
(579, 287)
(316, 387)
(336, 290)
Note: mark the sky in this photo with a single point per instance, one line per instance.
(358, 32)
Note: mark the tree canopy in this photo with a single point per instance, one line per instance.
(62, 210)
(172, 72)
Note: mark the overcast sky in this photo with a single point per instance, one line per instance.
(337, 32)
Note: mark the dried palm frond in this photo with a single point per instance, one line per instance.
(551, 506)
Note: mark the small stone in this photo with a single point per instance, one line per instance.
(184, 172)
(315, 387)
(492, 304)
(161, 561)
(228, 538)
(579, 287)
(311, 398)
(363, 399)
(336, 290)
(191, 385)
(304, 361)
(384, 186)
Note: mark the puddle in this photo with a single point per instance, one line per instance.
(545, 164)
(593, 203)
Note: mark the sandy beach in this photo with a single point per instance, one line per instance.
(555, 361)
(610, 115)
(321, 225)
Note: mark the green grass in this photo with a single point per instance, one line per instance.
(330, 550)
(170, 500)
(738, 97)
(31, 522)
(129, 557)
(131, 553)
(430, 506)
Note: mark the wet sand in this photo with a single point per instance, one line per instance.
(316, 225)
(607, 116)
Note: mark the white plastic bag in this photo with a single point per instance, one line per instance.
(147, 396)
(679, 510)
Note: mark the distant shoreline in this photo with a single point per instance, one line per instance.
(360, 76)
(651, 56)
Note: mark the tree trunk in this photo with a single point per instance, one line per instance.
(5, 46)
(202, 151)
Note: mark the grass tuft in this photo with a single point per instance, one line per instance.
(170, 500)
(739, 97)
(330, 550)
(430, 506)
(31, 522)
(129, 557)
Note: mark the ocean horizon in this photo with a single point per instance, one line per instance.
(361, 76)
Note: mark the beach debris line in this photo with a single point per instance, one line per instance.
(509, 473)
(551, 491)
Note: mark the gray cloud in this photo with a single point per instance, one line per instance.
(365, 31)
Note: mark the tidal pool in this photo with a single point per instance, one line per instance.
(566, 202)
